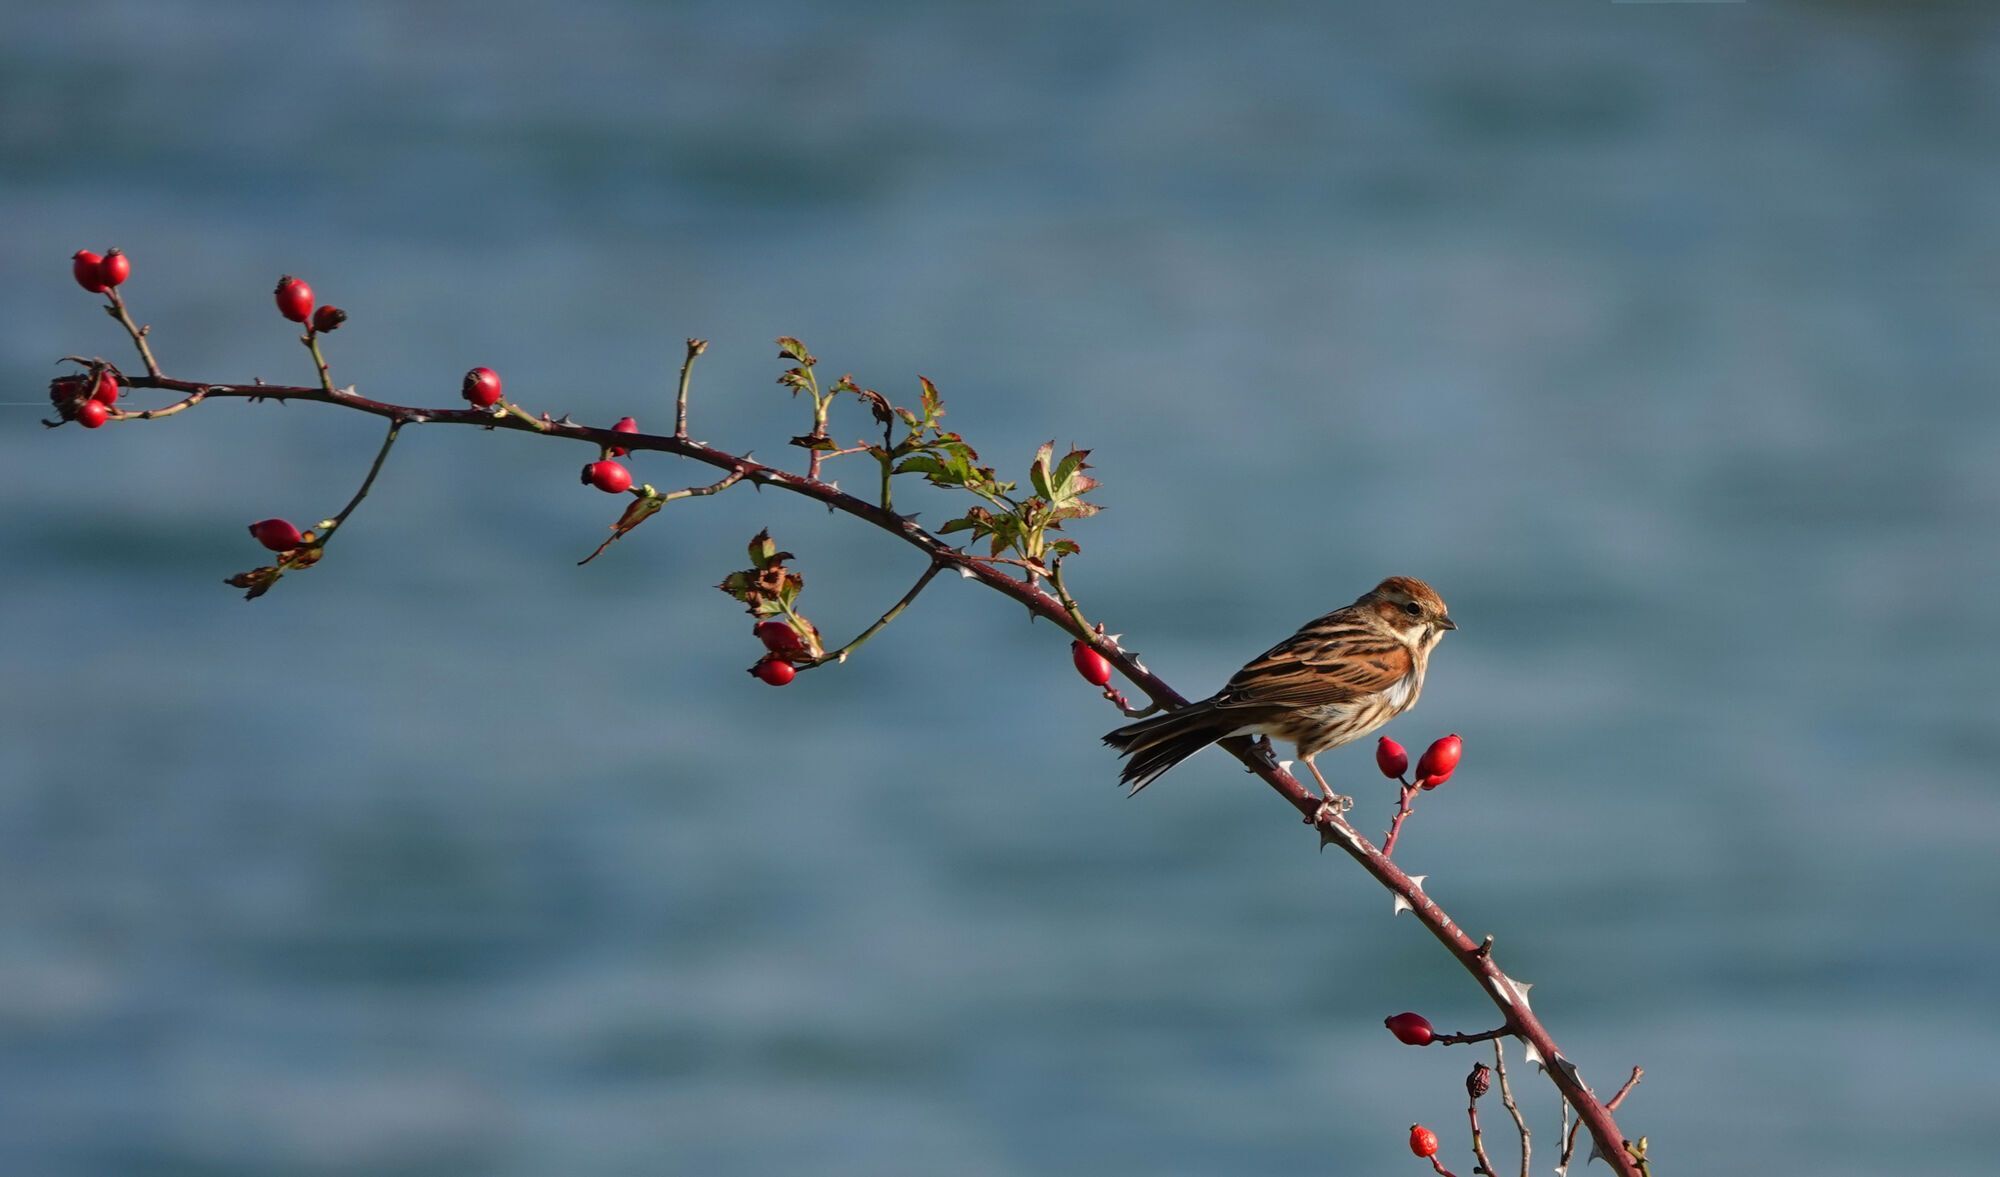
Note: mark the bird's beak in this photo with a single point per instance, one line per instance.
(1447, 623)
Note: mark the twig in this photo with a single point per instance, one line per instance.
(311, 340)
(328, 526)
(695, 348)
(881, 623)
(1507, 1101)
(1396, 823)
(1478, 1147)
(1492, 1035)
(117, 311)
(1069, 604)
(1569, 1139)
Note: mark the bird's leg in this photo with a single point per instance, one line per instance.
(1262, 746)
(1339, 803)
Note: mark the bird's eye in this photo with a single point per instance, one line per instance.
(1412, 608)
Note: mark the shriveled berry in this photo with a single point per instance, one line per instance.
(294, 299)
(276, 534)
(1093, 666)
(1410, 1029)
(328, 319)
(1439, 761)
(1423, 1141)
(625, 425)
(1391, 758)
(106, 391)
(1479, 1081)
(89, 271)
(779, 637)
(609, 477)
(91, 414)
(115, 268)
(775, 671)
(481, 387)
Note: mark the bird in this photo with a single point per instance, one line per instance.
(1341, 676)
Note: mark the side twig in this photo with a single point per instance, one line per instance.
(881, 623)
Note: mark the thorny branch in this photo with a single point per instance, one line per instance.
(1508, 995)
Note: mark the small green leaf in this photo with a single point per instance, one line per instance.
(792, 349)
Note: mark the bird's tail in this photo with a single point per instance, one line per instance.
(1157, 744)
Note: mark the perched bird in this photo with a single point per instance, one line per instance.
(1337, 679)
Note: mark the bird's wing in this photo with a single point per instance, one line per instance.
(1333, 659)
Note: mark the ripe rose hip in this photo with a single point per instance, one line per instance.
(778, 637)
(106, 391)
(89, 271)
(1439, 760)
(294, 299)
(608, 477)
(1410, 1029)
(775, 671)
(1391, 758)
(625, 425)
(91, 414)
(1423, 1141)
(115, 268)
(481, 387)
(276, 534)
(328, 319)
(1093, 666)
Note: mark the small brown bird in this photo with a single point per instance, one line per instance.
(1337, 679)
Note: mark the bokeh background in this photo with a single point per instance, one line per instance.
(1659, 337)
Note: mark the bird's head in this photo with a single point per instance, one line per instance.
(1410, 609)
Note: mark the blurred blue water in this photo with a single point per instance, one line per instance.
(1659, 337)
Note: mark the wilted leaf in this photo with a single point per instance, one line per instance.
(638, 512)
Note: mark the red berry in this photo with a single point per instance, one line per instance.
(91, 414)
(1410, 1029)
(115, 268)
(1391, 758)
(482, 387)
(779, 637)
(625, 425)
(608, 477)
(294, 298)
(328, 319)
(1093, 666)
(775, 671)
(106, 391)
(1423, 1141)
(1438, 761)
(276, 534)
(89, 271)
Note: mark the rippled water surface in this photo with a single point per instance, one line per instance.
(1660, 337)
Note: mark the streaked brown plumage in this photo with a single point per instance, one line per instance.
(1337, 679)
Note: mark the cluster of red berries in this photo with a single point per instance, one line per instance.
(295, 301)
(784, 645)
(1434, 767)
(99, 273)
(88, 405)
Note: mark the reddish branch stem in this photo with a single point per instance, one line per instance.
(1333, 827)
(1409, 794)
